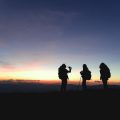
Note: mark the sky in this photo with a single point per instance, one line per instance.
(37, 36)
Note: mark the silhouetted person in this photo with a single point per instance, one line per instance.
(86, 75)
(62, 73)
(104, 74)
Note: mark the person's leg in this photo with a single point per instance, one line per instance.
(84, 84)
(105, 84)
(63, 85)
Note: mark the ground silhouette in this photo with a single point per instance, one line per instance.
(80, 104)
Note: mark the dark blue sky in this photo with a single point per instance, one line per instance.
(42, 34)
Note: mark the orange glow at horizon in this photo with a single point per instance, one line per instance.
(28, 75)
(47, 75)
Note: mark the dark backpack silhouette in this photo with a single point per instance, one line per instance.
(108, 73)
(86, 75)
(62, 72)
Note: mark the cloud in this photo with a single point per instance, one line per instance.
(4, 63)
(57, 17)
(6, 66)
(25, 66)
(61, 13)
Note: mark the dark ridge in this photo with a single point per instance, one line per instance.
(54, 104)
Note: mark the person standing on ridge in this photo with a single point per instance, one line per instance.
(63, 75)
(104, 74)
(86, 75)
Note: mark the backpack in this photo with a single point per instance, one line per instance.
(86, 75)
(108, 73)
(60, 73)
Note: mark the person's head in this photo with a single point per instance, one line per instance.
(63, 66)
(102, 66)
(85, 67)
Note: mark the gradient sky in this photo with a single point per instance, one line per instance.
(37, 36)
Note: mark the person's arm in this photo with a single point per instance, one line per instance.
(70, 68)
